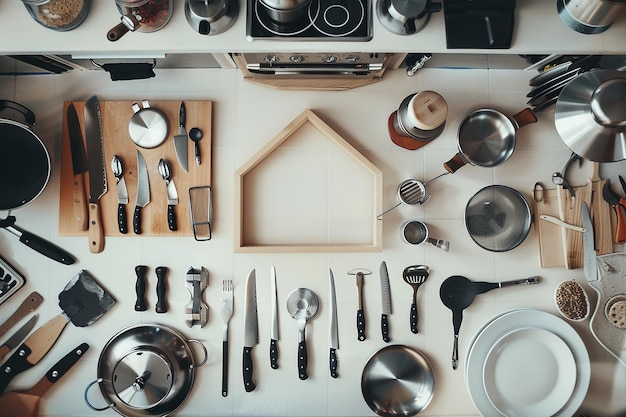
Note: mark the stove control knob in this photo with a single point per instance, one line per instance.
(296, 59)
(270, 59)
(352, 58)
(329, 59)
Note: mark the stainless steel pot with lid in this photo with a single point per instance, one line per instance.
(146, 370)
(590, 115)
(211, 17)
(589, 16)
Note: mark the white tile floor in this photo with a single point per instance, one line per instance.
(245, 117)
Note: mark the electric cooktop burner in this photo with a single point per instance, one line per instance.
(342, 20)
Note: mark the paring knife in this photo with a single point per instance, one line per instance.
(122, 193)
(333, 327)
(97, 174)
(251, 331)
(29, 304)
(180, 140)
(18, 337)
(274, 336)
(79, 167)
(143, 191)
(385, 293)
(590, 263)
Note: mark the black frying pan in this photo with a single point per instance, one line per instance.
(24, 173)
(457, 293)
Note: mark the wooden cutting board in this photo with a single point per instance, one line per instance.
(115, 118)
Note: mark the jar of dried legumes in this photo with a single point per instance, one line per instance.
(61, 15)
(152, 15)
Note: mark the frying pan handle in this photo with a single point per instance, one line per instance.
(454, 164)
(29, 116)
(97, 381)
(525, 117)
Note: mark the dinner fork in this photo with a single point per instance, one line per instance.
(227, 313)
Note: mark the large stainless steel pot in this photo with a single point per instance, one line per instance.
(590, 115)
(285, 11)
(146, 370)
(589, 16)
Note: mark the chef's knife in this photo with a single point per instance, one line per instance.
(79, 167)
(17, 338)
(180, 140)
(333, 327)
(97, 174)
(143, 191)
(274, 336)
(251, 331)
(589, 251)
(385, 293)
(29, 304)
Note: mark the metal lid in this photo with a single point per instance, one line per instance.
(590, 115)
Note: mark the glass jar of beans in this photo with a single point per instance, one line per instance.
(152, 15)
(61, 15)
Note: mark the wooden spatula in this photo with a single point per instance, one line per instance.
(26, 403)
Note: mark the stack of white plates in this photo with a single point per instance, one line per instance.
(527, 363)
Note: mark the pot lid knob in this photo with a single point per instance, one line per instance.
(607, 103)
(405, 9)
(142, 378)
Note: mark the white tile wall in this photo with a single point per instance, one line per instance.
(245, 117)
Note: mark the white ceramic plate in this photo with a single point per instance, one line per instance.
(511, 320)
(529, 372)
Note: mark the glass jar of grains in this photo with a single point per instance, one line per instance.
(152, 15)
(61, 15)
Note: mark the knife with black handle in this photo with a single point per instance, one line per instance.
(79, 167)
(143, 192)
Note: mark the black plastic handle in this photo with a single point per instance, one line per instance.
(14, 365)
(43, 246)
(384, 327)
(182, 114)
(274, 354)
(360, 325)
(121, 219)
(137, 220)
(413, 318)
(62, 366)
(225, 368)
(332, 359)
(29, 116)
(248, 369)
(171, 218)
(302, 360)
(161, 287)
(140, 288)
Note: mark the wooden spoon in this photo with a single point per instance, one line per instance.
(26, 403)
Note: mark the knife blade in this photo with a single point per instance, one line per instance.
(274, 335)
(143, 191)
(29, 304)
(385, 292)
(17, 338)
(79, 167)
(333, 327)
(97, 174)
(180, 140)
(590, 267)
(251, 331)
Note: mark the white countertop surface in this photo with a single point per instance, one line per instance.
(246, 117)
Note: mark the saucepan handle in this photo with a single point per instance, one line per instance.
(97, 381)
(525, 117)
(206, 354)
(454, 164)
(29, 116)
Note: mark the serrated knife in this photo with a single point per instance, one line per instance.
(385, 293)
(251, 331)
(274, 335)
(143, 191)
(333, 335)
(590, 263)
(97, 174)
(79, 167)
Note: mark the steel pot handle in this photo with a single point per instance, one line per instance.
(525, 117)
(206, 354)
(97, 381)
(29, 116)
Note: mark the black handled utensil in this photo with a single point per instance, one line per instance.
(140, 288)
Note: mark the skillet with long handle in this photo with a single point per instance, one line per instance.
(457, 293)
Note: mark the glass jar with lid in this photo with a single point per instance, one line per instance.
(61, 15)
(152, 15)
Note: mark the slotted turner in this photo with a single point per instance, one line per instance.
(415, 275)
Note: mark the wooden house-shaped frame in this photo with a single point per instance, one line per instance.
(308, 190)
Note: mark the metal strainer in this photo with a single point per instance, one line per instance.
(497, 218)
(410, 192)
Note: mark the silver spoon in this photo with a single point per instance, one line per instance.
(195, 134)
(122, 194)
(172, 194)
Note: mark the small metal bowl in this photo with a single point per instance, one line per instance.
(567, 300)
(398, 381)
